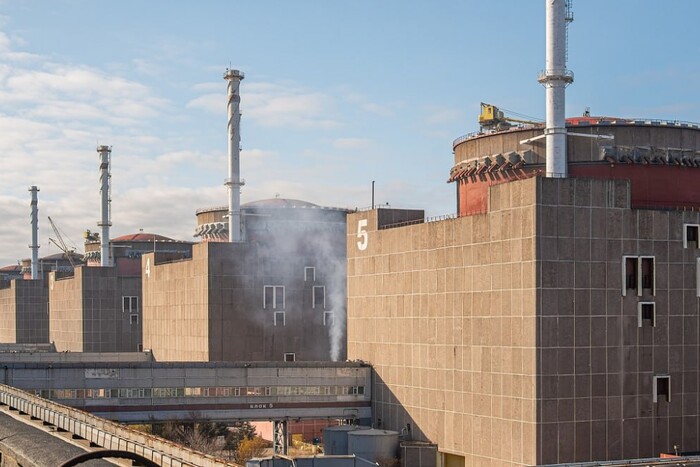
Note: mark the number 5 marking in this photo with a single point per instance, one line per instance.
(362, 235)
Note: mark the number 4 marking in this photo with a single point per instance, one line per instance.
(362, 234)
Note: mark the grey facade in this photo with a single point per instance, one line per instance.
(278, 295)
(560, 326)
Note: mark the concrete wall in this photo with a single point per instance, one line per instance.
(445, 312)
(511, 338)
(66, 311)
(24, 314)
(87, 311)
(8, 314)
(175, 307)
(596, 366)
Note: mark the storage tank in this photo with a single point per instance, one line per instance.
(335, 438)
(373, 444)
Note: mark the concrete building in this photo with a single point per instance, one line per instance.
(24, 303)
(24, 312)
(555, 319)
(278, 294)
(98, 309)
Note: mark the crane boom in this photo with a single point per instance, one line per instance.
(68, 253)
(493, 118)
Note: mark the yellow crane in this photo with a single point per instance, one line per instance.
(493, 118)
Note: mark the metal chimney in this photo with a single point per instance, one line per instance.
(555, 78)
(104, 223)
(233, 182)
(35, 232)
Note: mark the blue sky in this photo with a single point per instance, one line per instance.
(336, 94)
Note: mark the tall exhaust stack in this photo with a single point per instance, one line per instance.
(105, 153)
(35, 232)
(555, 78)
(233, 182)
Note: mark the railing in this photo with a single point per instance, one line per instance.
(606, 121)
(370, 208)
(560, 74)
(105, 433)
(475, 134)
(426, 220)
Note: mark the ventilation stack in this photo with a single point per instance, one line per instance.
(35, 231)
(105, 153)
(233, 182)
(555, 78)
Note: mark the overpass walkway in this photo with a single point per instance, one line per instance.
(148, 391)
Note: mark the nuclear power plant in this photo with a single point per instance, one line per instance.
(554, 319)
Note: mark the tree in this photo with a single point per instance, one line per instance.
(238, 432)
(250, 448)
(215, 438)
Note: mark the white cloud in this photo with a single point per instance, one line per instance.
(275, 105)
(52, 117)
(4, 43)
(352, 143)
(363, 103)
(67, 92)
(434, 115)
(166, 210)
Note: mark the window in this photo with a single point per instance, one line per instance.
(134, 319)
(629, 274)
(647, 275)
(647, 314)
(318, 299)
(662, 388)
(130, 304)
(328, 318)
(309, 274)
(638, 274)
(273, 297)
(691, 232)
(279, 318)
(139, 347)
(290, 357)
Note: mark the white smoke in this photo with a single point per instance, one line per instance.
(337, 296)
(319, 238)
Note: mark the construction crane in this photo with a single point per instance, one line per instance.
(67, 252)
(493, 118)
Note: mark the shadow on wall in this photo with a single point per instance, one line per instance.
(389, 413)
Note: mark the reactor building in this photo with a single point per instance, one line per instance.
(265, 282)
(556, 318)
(278, 295)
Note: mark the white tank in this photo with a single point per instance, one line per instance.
(373, 444)
(335, 438)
